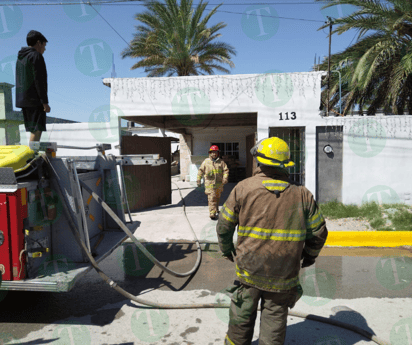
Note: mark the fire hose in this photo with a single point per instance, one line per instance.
(128, 295)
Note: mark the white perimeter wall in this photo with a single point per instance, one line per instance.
(377, 159)
(81, 134)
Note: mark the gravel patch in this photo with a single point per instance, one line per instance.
(348, 224)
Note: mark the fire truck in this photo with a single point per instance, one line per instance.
(47, 209)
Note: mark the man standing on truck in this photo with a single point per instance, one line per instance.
(31, 84)
(216, 175)
(279, 224)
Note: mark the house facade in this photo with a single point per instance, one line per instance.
(352, 159)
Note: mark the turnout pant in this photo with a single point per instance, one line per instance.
(273, 319)
(213, 198)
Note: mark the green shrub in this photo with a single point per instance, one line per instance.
(335, 210)
(373, 212)
(378, 224)
(398, 206)
(402, 220)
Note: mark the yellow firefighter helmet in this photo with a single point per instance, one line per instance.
(272, 152)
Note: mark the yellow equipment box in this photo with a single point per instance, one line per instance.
(15, 156)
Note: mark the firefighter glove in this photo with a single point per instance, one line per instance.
(199, 183)
(225, 181)
(230, 256)
(307, 262)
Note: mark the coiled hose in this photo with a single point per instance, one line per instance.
(126, 294)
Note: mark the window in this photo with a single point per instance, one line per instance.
(229, 149)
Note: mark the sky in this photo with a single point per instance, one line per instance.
(268, 36)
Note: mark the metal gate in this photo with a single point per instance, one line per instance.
(295, 138)
(147, 186)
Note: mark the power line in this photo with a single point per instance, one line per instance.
(128, 43)
(261, 15)
(114, 1)
(352, 40)
(249, 4)
(245, 4)
(110, 26)
(110, 2)
(90, 4)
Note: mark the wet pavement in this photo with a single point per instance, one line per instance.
(368, 287)
(380, 284)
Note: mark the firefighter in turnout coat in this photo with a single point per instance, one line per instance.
(216, 174)
(279, 224)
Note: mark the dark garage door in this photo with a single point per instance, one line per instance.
(147, 186)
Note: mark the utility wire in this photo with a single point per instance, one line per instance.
(230, 4)
(110, 25)
(127, 42)
(352, 40)
(261, 15)
(249, 4)
(119, 2)
(112, 2)
(90, 4)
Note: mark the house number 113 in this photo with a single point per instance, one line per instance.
(287, 117)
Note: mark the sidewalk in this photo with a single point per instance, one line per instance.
(174, 226)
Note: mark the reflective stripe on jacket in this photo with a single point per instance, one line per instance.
(276, 222)
(214, 173)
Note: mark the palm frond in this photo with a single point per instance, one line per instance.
(376, 70)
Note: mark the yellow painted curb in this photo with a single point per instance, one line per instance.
(369, 238)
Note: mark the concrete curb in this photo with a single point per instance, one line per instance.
(348, 239)
(369, 238)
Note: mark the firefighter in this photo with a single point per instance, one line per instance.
(216, 175)
(279, 224)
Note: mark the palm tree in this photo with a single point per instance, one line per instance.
(377, 68)
(174, 40)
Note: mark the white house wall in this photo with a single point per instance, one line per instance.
(264, 94)
(203, 138)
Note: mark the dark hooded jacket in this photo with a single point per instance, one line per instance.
(31, 79)
(278, 222)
